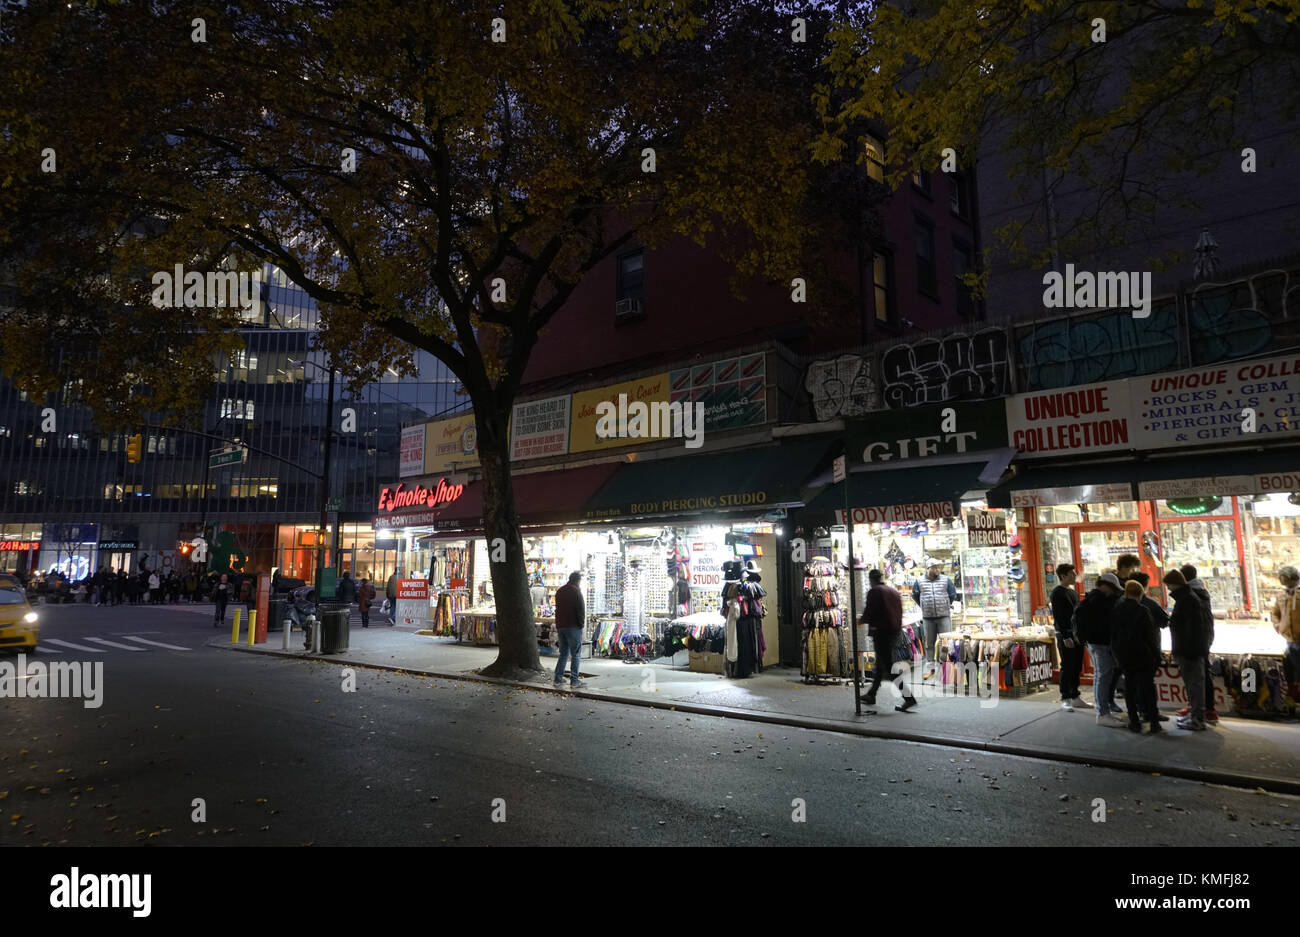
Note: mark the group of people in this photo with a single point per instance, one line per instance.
(109, 587)
(1120, 624)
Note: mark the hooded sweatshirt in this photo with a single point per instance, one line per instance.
(1134, 637)
(1189, 624)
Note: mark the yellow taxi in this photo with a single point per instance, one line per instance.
(19, 627)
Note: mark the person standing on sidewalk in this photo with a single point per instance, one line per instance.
(1064, 601)
(1126, 564)
(570, 617)
(1161, 620)
(883, 616)
(1190, 632)
(390, 592)
(1135, 644)
(1286, 615)
(1195, 583)
(365, 597)
(935, 593)
(221, 596)
(1092, 624)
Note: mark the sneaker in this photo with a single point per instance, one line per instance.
(868, 698)
(1081, 703)
(1191, 725)
(1184, 711)
(1161, 717)
(1155, 728)
(1116, 710)
(558, 684)
(578, 686)
(1135, 727)
(907, 706)
(1110, 722)
(1211, 716)
(1067, 705)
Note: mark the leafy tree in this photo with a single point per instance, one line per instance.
(1110, 128)
(429, 186)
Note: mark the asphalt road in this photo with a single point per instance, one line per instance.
(280, 754)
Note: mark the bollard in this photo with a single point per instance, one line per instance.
(316, 636)
(234, 634)
(286, 627)
(252, 625)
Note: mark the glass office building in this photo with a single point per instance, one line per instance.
(71, 500)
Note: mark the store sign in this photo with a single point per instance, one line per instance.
(450, 444)
(539, 428)
(918, 432)
(706, 565)
(1223, 485)
(1039, 655)
(311, 538)
(1203, 405)
(411, 453)
(922, 511)
(675, 505)
(1172, 692)
(1086, 419)
(418, 497)
(584, 416)
(1080, 494)
(400, 521)
(413, 589)
(733, 391)
(23, 545)
(119, 546)
(412, 601)
(986, 529)
(1277, 481)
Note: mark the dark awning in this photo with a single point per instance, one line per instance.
(748, 480)
(929, 487)
(1029, 476)
(541, 498)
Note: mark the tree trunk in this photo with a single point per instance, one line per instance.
(516, 630)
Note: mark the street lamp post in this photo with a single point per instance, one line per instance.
(325, 492)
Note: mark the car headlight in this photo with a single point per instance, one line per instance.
(30, 618)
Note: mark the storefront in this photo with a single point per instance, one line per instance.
(20, 546)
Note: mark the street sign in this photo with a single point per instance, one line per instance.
(219, 457)
(334, 504)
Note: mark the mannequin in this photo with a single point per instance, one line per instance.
(743, 601)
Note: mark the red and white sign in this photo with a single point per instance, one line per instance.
(1090, 418)
(20, 545)
(1079, 494)
(1171, 692)
(413, 589)
(837, 471)
(419, 497)
(706, 565)
(894, 513)
(411, 453)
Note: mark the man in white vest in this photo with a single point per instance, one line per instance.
(935, 593)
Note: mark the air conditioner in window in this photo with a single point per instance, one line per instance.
(626, 310)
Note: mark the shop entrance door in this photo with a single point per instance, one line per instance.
(1097, 549)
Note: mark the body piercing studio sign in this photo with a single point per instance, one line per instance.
(985, 529)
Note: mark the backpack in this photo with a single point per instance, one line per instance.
(1091, 618)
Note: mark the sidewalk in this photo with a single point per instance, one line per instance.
(1240, 752)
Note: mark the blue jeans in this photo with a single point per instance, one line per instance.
(932, 628)
(1103, 678)
(570, 643)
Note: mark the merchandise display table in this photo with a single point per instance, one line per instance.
(1025, 658)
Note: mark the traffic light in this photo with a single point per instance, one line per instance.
(185, 548)
(134, 446)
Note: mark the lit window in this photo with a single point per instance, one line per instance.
(875, 159)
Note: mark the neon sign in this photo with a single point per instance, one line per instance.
(19, 545)
(392, 499)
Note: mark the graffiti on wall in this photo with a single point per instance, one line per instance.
(936, 370)
(1104, 346)
(1243, 317)
(843, 386)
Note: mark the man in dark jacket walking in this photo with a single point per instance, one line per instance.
(1064, 601)
(365, 598)
(1195, 583)
(1092, 624)
(883, 615)
(570, 617)
(1189, 630)
(1135, 644)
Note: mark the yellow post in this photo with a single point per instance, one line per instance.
(252, 624)
(234, 635)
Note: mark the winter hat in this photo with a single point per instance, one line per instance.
(1111, 580)
(1174, 579)
(1133, 590)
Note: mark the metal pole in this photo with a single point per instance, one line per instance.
(325, 492)
(853, 607)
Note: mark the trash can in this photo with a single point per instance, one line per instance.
(275, 612)
(335, 630)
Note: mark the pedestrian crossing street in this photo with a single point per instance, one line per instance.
(98, 645)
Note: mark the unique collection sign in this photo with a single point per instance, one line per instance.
(539, 428)
(1072, 420)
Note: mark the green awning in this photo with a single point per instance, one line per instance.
(749, 480)
(1284, 459)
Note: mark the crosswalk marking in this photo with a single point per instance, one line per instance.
(173, 647)
(125, 647)
(75, 647)
(46, 650)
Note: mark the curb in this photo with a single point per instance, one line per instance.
(1203, 775)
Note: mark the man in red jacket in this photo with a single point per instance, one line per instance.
(883, 615)
(570, 617)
